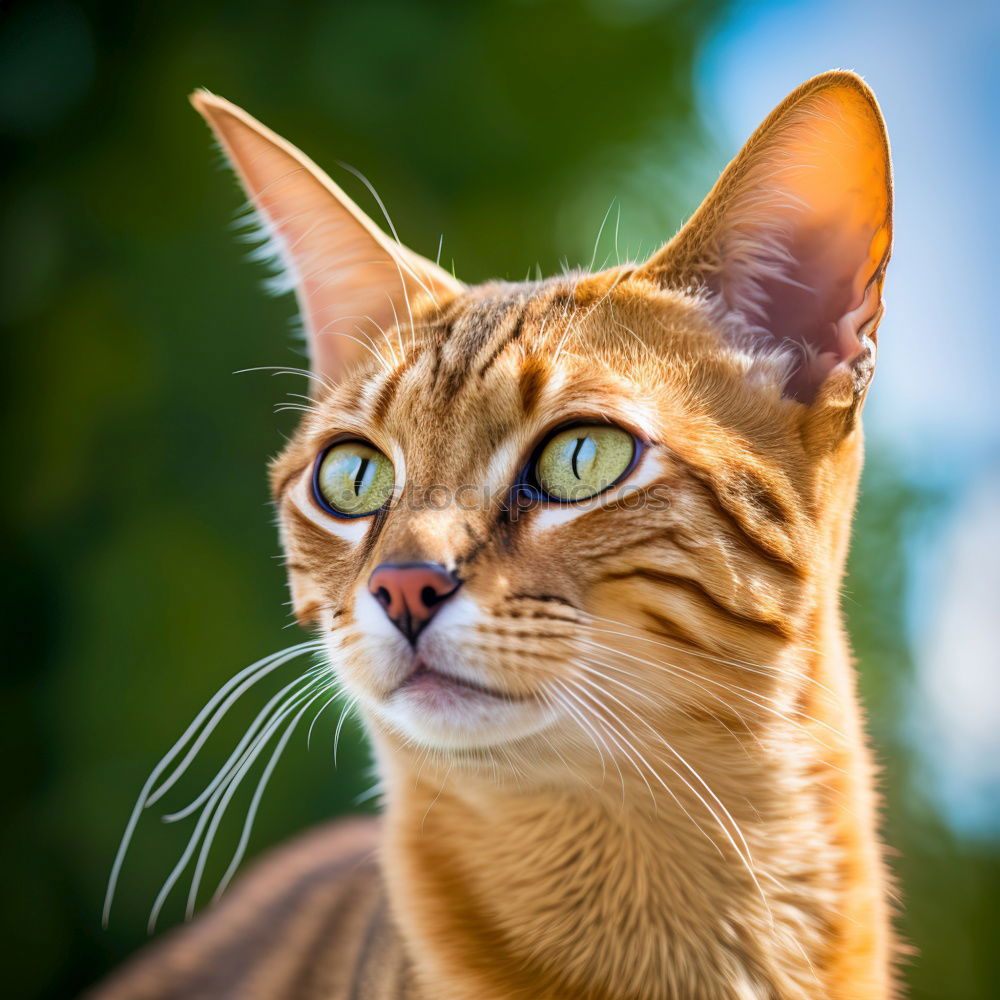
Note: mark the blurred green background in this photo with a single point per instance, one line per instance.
(141, 568)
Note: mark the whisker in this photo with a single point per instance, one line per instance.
(512, 766)
(581, 319)
(294, 408)
(618, 256)
(394, 257)
(206, 815)
(376, 790)
(371, 342)
(600, 233)
(757, 668)
(399, 332)
(589, 665)
(547, 698)
(315, 719)
(368, 344)
(759, 700)
(612, 732)
(746, 858)
(287, 370)
(348, 707)
(444, 781)
(251, 815)
(605, 726)
(593, 735)
(385, 212)
(248, 735)
(669, 669)
(261, 668)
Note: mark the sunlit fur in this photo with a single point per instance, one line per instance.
(693, 807)
(669, 794)
(677, 801)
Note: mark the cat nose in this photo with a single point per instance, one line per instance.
(412, 593)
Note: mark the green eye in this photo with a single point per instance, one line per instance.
(582, 461)
(353, 479)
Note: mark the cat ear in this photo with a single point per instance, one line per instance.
(351, 280)
(792, 243)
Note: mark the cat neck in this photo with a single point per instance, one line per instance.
(717, 885)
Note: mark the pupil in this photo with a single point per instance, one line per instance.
(576, 455)
(584, 452)
(359, 476)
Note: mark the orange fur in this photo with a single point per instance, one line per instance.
(521, 873)
(674, 799)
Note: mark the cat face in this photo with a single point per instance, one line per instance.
(550, 516)
(462, 415)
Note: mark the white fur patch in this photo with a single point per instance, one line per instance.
(351, 530)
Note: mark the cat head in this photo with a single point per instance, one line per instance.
(542, 516)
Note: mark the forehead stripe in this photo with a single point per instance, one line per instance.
(387, 391)
(504, 342)
(534, 375)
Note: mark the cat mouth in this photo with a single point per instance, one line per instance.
(450, 711)
(426, 679)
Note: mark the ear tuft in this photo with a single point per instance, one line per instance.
(792, 243)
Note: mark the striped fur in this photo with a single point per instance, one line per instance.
(671, 797)
(311, 920)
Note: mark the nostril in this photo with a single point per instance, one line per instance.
(411, 594)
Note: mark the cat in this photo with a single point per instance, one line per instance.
(574, 547)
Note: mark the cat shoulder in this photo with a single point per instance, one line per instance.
(309, 920)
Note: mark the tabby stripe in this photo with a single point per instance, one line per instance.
(671, 629)
(505, 342)
(468, 341)
(387, 392)
(760, 495)
(496, 633)
(534, 615)
(451, 382)
(660, 535)
(478, 544)
(695, 587)
(371, 535)
(229, 968)
(400, 980)
(732, 518)
(533, 377)
(356, 395)
(326, 930)
(291, 899)
(436, 368)
(554, 598)
(358, 977)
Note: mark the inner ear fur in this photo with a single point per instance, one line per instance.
(352, 281)
(791, 245)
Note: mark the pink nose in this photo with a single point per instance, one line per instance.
(412, 593)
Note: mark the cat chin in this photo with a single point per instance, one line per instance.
(443, 715)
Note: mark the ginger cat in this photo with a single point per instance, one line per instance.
(575, 548)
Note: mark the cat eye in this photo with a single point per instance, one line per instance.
(579, 462)
(353, 479)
